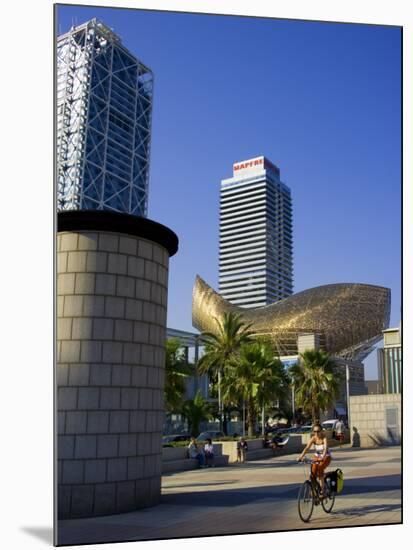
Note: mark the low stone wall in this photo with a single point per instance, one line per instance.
(375, 420)
(175, 459)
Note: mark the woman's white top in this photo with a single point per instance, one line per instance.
(209, 448)
(319, 449)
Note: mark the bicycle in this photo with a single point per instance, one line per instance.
(310, 495)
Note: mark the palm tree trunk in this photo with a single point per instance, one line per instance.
(250, 418)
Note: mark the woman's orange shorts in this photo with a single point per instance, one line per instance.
(318, 467)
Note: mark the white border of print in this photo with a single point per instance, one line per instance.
(27, 275)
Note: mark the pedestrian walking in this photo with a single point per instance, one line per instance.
(242, 448)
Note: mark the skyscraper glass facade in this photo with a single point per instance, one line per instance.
(104, 109)
(390, 362)
(255, 254)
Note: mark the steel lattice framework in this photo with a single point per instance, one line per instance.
(104, 111)
(348, 317)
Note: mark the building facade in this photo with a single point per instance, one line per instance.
(390, 362)
(255, 254)
(104, 109)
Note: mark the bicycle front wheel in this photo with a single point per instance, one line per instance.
(305, 501)
(328, 501)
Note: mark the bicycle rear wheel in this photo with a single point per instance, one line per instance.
(328, 501)
(305, 501)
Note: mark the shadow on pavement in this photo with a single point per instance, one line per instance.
(274, 493)
(363, 510)
(200, 484)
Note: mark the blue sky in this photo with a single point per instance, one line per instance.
(320, 100)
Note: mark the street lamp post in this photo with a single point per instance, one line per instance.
(219, 400)
(348, 395)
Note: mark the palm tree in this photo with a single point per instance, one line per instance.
(195, 410)
(316, 384)
(222, 346)
(177, 370)
(256, 377)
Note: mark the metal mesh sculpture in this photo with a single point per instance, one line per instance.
(348, 317)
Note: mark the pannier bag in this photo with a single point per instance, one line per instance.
(336, 480)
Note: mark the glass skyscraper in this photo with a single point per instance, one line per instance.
(255, 247)
(390, 362)
(104, 109)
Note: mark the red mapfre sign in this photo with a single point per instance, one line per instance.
(248, 164)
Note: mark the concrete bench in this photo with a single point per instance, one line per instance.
(175, 459)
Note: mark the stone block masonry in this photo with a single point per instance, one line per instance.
(112, 290)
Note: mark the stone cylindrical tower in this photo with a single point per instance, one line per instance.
(112, 282)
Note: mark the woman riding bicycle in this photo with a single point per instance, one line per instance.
(322, 456)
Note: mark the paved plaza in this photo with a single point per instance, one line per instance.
(258, 496)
